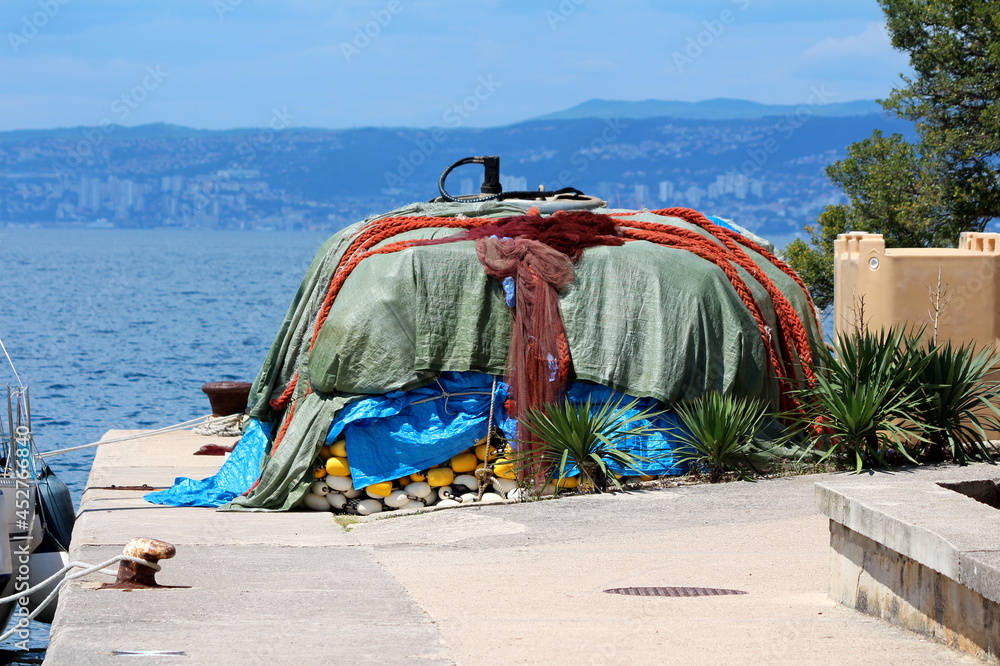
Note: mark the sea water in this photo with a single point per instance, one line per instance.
(118, 329)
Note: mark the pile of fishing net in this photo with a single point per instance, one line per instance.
(517, 310)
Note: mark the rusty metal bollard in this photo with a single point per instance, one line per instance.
(134, 576)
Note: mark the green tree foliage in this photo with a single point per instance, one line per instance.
(923, 194)
(815, 263)
(954, 49)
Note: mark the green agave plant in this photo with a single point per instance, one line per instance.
(567, 435)
(957, 400)
(866, 395)
(719, 433)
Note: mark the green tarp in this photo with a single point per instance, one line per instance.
(643, 319)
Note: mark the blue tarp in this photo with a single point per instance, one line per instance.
(401, 433)
(392, 435)
(723, 222)
(732, 226)
(398, 433)
(235, 477)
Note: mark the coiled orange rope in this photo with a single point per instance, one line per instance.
(694, 217)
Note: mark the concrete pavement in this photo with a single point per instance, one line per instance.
(519, 583)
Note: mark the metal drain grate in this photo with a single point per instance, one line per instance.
(673, 591)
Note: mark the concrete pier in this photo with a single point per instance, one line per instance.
(504, 584)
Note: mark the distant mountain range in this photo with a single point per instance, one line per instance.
(709, 109)
(603, 109)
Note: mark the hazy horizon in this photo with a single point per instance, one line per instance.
(358, 127)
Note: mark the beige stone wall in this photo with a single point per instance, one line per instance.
(896, 285)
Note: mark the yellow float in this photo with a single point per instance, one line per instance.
(482, 450)
(337, 466)
(339, 448)
(377, 490)
(504, 469)
(440, 476)
(464, 462)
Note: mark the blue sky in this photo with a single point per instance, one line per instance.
(242, 63)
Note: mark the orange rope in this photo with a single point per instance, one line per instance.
(286, 422)
(792, 331)
(677, 238)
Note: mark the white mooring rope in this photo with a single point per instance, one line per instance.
(87, 569)
(186, 425)
(222, 426)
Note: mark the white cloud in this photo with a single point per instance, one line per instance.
(872, 41)
(863, 62)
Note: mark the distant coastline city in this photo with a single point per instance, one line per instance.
(765, 171)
